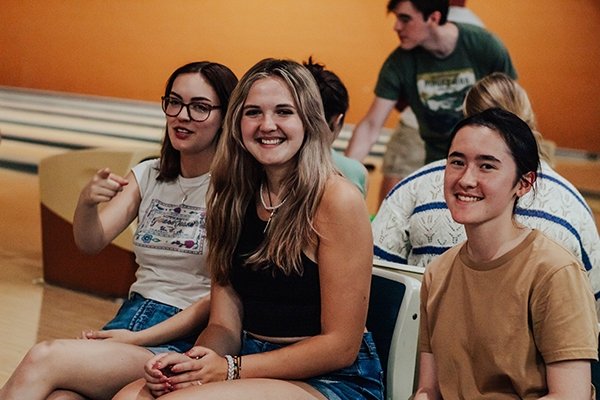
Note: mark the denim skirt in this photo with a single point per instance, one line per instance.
(361, 380)
(138, 313)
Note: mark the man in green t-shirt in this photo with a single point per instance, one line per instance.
(435, 65)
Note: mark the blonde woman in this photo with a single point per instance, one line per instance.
(290, 249)
(500, 90)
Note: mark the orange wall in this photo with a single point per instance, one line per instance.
(128, 48)
(554, 45)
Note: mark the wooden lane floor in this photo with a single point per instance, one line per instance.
(29, 310)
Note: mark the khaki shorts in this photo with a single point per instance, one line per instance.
(405, 152)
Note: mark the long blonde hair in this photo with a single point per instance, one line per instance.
(236, 177)
(500, 90)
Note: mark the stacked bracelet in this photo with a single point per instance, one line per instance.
(237, 362)
(234, 366)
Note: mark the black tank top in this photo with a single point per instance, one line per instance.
(274, 304)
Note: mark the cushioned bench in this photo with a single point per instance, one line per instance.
(61, 177)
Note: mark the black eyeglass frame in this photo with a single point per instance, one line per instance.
(187, 107)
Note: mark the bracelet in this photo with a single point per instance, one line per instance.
(230, 367)
(237, 361)
(234, 366)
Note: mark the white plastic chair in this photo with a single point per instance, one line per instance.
(410, 270)
(393, 320)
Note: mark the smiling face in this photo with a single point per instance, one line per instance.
(479, 181)
(272, 130)
(188, 136)
(410, 26)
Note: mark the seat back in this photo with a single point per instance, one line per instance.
(61, 177)
(413, 271)
(393, 320)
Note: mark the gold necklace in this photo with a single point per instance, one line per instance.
(199, 185)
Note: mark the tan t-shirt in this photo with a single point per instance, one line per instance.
(492, 327)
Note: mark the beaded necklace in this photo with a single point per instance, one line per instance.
(270, 207)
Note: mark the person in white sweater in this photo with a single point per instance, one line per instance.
(414, 225)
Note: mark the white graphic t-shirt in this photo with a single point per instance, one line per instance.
(170, 240)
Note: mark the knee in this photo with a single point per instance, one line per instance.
(33, 368)
(43, 353)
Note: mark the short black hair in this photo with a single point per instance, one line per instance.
(333, 92)
(425, 7)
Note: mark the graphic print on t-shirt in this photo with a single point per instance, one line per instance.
(172, 227)
(442, 94)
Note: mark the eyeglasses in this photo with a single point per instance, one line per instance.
(197, 111)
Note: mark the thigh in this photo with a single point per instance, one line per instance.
(134, 391)
(361, 380)
(95, 369)
(405, 152)
(248, 389)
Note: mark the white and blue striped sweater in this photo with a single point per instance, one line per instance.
(414, 225)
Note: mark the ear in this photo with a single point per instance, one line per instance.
(526, 183)
(337, 124)
(435, 17)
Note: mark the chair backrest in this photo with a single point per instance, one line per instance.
(413, 271)
(393, 320)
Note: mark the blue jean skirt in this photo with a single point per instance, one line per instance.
(361, 380)
(138, 313)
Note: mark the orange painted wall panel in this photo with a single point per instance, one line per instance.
(554, 45)
(128, 48)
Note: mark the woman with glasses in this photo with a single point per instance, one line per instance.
(167, 196)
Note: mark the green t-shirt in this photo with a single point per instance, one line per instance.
(352, 169)
(436, 87)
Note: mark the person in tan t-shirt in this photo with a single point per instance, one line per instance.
(509, 313)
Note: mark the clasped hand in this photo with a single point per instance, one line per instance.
(167, 372)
